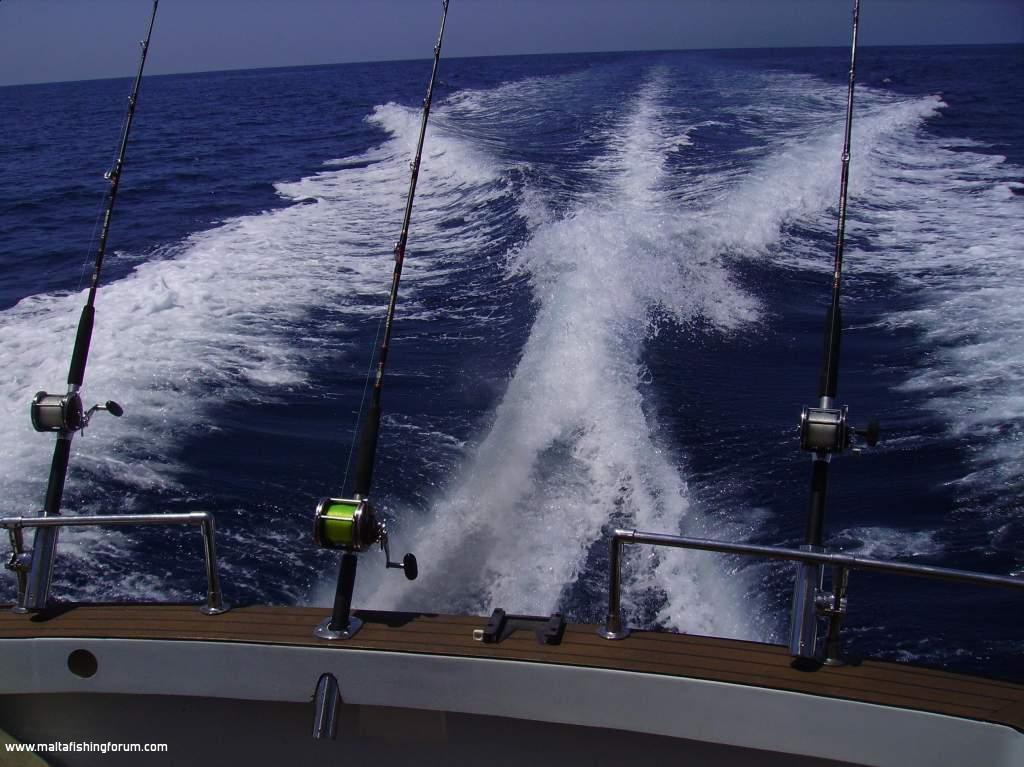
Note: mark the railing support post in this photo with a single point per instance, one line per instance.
(613, 628)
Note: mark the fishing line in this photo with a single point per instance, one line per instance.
(362, 403)
(123, 131)
(92, 242)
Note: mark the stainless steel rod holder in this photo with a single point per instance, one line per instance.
(836, 611)
(214, 597)
(803, 625)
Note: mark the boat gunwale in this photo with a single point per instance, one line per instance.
(729, 661)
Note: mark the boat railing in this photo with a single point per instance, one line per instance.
(831, 605)
(21, 561)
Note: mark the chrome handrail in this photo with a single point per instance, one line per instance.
(613, 628)
(214, 597)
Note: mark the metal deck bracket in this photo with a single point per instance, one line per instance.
(548, 630)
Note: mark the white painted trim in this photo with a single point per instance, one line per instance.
(708, 711)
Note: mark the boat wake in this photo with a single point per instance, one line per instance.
(571, 448)
(948, 218)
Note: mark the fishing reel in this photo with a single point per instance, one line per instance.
(65, 413)
(352, 526)
(827, 430)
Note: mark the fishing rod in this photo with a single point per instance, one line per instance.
(64, 413)
(825, 429)
(351, 524)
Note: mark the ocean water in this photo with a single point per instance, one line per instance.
(610, 316)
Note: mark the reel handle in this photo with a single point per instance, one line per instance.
(408, 565)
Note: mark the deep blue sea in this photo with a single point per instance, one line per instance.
(611, 315)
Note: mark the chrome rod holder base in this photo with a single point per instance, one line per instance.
(324, 630)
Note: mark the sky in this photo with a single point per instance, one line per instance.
(56, 40)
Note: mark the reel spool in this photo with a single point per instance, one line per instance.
(64, 412)
(827, 430)
(57, 412)
(351, 525)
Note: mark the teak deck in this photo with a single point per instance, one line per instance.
(683, 655)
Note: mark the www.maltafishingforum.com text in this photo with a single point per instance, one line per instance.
(83, 746)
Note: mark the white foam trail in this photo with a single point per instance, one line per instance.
(946, 221)
(226, 318)
(570, 446)
(798, 182)
(886, 543)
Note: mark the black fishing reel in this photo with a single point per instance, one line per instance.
(827, 430)
(352, 526)
(65, 413)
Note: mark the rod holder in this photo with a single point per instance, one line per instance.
(342, 624)
(833, 607)
(803, 627)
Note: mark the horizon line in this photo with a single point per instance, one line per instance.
(498, 55)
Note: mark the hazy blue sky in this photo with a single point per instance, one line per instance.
(46, 40)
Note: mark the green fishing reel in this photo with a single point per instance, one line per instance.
(351, 525)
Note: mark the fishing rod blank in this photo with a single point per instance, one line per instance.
(825, 429)
(371, 426)
(351, 524)
(64, 413)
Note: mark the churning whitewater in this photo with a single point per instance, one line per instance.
(609, 317)
(570, 447)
